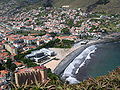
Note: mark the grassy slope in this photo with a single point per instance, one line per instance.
(106, 82)
(74, 3)
(112, 7)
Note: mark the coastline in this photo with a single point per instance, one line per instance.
(71, 56)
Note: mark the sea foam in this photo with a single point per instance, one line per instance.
(77, 63)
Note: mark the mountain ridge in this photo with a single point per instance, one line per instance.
(108, 6)
(13, 6)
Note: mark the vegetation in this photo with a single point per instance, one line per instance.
(107, 82)
(70, 23)
(64, 44)
(21, 57)
(1, 67)
(23, 32)
(9, 65)
(108, 6)
(78, 24)
(53, 34)
(65, 31)
(103, 1)
(51, 75)
(54, 43)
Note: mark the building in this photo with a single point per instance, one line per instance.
(41, 54)
(40, 42)
(30, 40)
(4, 75)
(11, 49)
(48, 52)
(45, 51)
(30, 75)
(40, 57)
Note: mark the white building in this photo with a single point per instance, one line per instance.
(40, 54)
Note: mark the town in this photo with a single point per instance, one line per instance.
(25, 39)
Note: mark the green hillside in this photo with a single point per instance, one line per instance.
(73, 3)
(9, 7)
(112, 6)
(106, 82)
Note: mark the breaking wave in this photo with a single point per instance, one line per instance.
(76, 64)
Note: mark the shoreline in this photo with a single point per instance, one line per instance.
(71, 56)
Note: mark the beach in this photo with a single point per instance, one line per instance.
(66, 56)
(62, 53)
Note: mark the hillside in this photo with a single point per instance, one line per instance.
(74, 3)
(106, 82)
(112, 6)
(10, 7)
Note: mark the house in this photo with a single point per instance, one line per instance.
(46, 40)
(17, 27)
(13, 38)
(17, 45)
(18, 64)
(11, 49)
(30, 40)
(4, 55)
(38, 29)
(40, 42)
(4, 72)
(3, 81)
(28, 48)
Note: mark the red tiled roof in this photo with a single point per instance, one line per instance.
(1, 76)
(40, 67)
(3, 50)
(4, 72)
(31, 38)
(3, 41)
(17, 63)
(4, 54)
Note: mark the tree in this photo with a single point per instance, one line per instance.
(42, 33)
(103, 1)
(47, 3)
(51, 75)
(53, 34)
(65, 31)
(12, 67)
(70, 23)
(9, 65)
(1, 67)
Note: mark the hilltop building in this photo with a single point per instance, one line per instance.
(30, 75)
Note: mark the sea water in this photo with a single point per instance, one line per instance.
(96, 60)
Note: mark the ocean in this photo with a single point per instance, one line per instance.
(94, 61)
